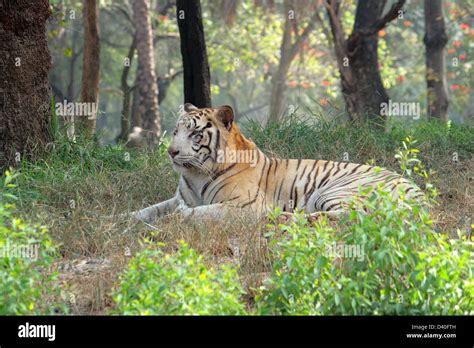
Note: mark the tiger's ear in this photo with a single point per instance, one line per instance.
(189, 107)
(225, 114)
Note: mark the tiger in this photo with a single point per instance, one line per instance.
(221, 171)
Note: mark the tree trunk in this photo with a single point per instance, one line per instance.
(435, 41)
(67, 122)
(125, 119)
(25, 97)
(370, 92)
(147, 88)
(348, 85)
(197, 78)
(288, 50)
(136, 120)
(90, 67)
(280, 74)
(357, 57)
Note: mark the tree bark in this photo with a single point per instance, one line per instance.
(370, 92)
(197, 78)
(147, 88)
(67, 122)
(280, 74)
(90, 66)
(357, 57)
(435, 41)
(25, 97)
(125, 119)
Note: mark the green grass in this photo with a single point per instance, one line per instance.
(305, 137)
(77, 190)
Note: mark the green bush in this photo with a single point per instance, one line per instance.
(177, 284)
(26, 256)
(399, 265)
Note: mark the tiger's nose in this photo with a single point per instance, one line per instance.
(172, 152)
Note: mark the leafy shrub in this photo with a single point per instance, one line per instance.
(26, 255)
(177, 284)
(403, 265)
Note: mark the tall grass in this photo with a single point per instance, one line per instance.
(78, 189)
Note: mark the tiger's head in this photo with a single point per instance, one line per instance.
(199, 136)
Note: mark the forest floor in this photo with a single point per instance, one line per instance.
(78, 190)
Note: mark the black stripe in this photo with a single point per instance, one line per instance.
(228, 200)
(218, 139)
(215, 176)
(299, 163)
(308, 178)
(182, 196)
(187, 184)
(356, 167)
(230, 176)
(261, 175)
(248, 203)
(325, 165)
(266, 179)
(220, 188)
(326, 177)
(259, 182)
(303, 171)
(338, 168)
(295, 205)
(332, 206)
(293, 186)
(276, 166)
(329, 200)
(279, 190)
(311, 191)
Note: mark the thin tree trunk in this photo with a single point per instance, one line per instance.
(288, 50)
(25, 97)
(90, 67)
(136, 120)
(435, 41)
(125, 119)
(147, 88)
(72, 68)
(197, 78)
(279, 76)
(67, 122)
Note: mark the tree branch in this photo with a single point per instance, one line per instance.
(300, 39)
(390, 16)
(378, 25)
